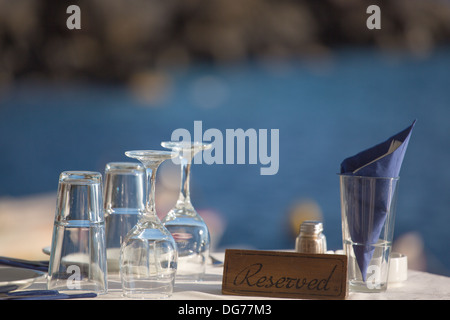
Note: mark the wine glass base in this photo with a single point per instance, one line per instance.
(144, 295)
(148, 289)
(189, 278)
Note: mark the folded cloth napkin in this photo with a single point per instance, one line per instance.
(382, 160)
(20, 263)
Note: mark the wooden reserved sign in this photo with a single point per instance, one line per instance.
(284, 274)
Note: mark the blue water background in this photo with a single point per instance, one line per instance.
(324, 112)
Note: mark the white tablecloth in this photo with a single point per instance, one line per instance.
(418, 286)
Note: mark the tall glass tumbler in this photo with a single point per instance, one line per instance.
(123, 201)
(78, 255)
(368, 207)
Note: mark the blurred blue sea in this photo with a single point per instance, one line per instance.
(325, 111)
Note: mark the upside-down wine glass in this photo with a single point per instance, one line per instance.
(186, 225)
(148, 255)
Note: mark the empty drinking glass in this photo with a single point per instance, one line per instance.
(187, 227)
(78, 255)
(148, 256)
(123, 203)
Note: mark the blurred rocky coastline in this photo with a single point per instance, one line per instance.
(121, 38)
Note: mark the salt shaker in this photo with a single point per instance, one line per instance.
(311, 239)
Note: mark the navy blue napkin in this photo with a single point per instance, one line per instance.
(44, 295)
(382, 160)
(20, 263)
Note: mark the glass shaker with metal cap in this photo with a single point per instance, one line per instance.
(311, 239)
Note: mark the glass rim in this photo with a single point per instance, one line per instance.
(78, 176)
(123, 166)
(368, 177)
(162, 154)
(186, 145)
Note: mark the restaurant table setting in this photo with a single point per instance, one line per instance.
(108, 242)
(407, 285)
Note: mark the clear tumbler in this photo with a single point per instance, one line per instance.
(368, 213)
(123, 202)
(78, 255)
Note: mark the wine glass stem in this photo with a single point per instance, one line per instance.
(184, 197)
(150, 186)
